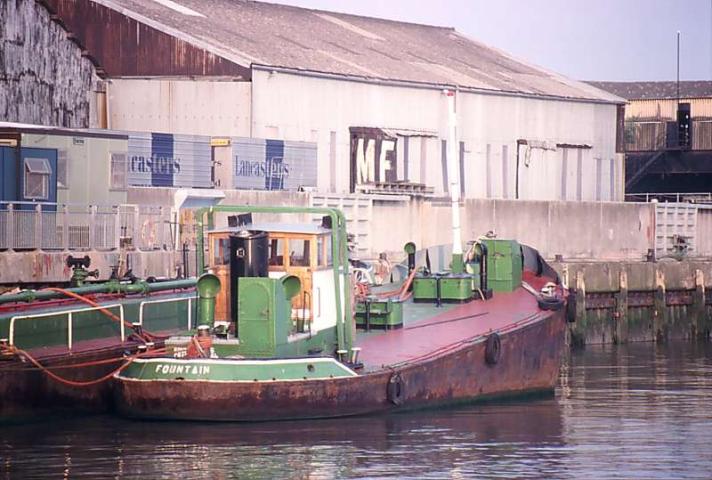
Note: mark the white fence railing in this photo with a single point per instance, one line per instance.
(70, 321)
(58, 227)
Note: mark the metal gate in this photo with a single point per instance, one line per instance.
(358, 210)
(675, 229)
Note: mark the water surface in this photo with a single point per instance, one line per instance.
(629, 412)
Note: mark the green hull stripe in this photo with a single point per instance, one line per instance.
(223, 370)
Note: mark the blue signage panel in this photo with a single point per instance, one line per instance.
(163, 163)
(273, 164)
(167, 160)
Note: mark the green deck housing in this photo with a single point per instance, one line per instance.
(504, 265)
(386, 314)
(264, 316)
(453, 288)
(264, 324)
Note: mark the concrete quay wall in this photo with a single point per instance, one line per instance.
(621, 302)
(574, 230)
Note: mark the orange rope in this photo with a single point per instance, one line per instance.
(89, 302)
(73, 383)
(73, 365)
(148, 335)
(401, 291)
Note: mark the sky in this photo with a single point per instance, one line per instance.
(616, 40)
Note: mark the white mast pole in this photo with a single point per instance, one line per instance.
(454, 178)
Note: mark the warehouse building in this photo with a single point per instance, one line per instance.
(668, 138)
(368, 92)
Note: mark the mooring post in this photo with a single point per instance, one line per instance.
(659, 308)
(700, 327)
(621, 312)
(578, 336)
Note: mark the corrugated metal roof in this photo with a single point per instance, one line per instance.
(249, 32)
(656, 90)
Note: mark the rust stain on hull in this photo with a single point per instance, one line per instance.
(26, 391)
(529, 362)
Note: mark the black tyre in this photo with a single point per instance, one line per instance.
(550, 303)
(394, 390)
(493, 349)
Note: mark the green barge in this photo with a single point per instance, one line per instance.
(81, 334)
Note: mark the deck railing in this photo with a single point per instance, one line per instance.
(70, 321)
(166, 300)
(677, 197)
(59, 227)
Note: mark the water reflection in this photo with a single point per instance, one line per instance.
(639, 411)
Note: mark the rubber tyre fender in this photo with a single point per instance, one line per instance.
(554, 304)
(493, 349)
(395, 389)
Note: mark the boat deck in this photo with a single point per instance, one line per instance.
(428, 330)
(86, 347)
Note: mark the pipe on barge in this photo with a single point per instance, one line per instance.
(140, 287)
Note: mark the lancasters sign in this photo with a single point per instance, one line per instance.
(273, 164)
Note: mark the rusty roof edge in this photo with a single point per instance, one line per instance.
(636, 97)
(584, 86)
(31, 128)
(430, 86)
(239, 58)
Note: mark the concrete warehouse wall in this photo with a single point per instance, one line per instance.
(43, 77)
(42, 267)
(597, 231)
(192, 107)
(164, 197)
(593, 231)
(489, 126)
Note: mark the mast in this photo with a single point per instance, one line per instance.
(457, 263)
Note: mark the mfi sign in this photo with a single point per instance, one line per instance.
(373, 156)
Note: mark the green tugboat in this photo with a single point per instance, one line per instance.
(277, 310)
(279, 337)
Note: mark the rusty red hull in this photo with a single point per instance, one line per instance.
(26, 392)
(529, 362)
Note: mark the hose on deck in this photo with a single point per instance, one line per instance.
(144, 335)
(23, 354)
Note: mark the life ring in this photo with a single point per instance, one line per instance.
(394, 389)
(550, 303)
(493, 349)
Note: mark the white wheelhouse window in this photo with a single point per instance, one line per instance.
(37, 173)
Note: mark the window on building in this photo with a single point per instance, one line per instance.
(620, 129)
(62, 173)
(119, 166)
(37, 172)
(298, 253)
